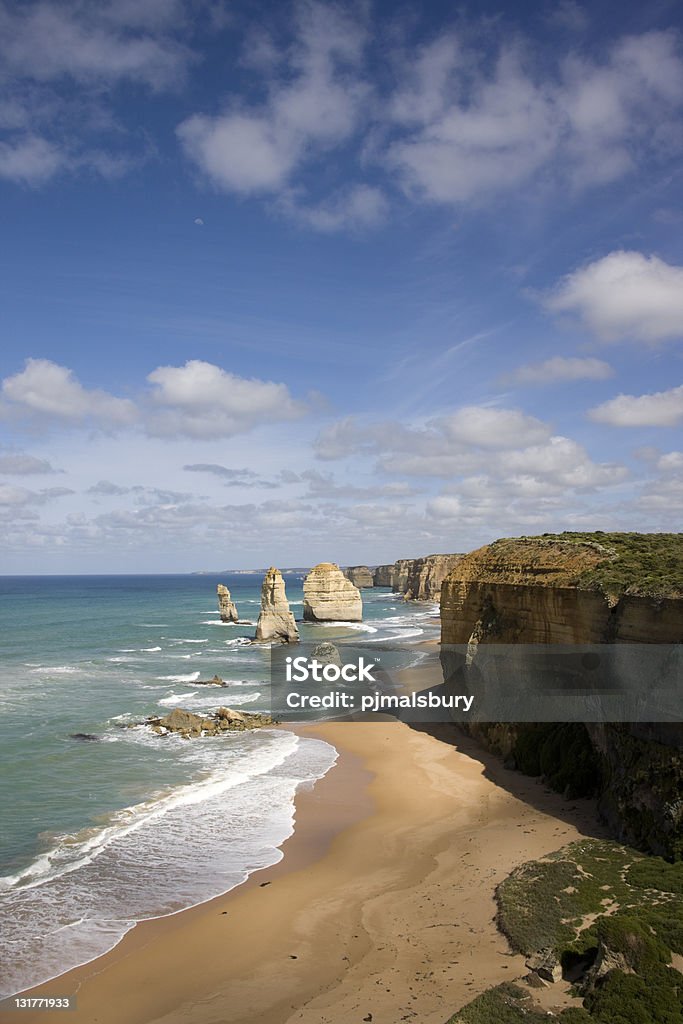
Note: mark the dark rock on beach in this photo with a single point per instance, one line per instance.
(189, 725)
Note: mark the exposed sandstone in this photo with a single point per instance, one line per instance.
(526, 591)
(417, 579)
(275, 621)
(530, 591)
(359, 575)
(330, 597)
(227, 609)
(383, 576)
(425, 576)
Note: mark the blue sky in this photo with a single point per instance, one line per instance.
(292, 282)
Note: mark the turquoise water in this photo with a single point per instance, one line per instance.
(100, 834)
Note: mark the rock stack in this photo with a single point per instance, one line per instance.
(276, 621)
(227, 609)
(330, 597)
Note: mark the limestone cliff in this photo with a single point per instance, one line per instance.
(360, 575)
(537, 590)
(569, 590)
(275, 621)
(227, 609)
(330, 597)
(417, 579)
(383, 576)
(425, 576)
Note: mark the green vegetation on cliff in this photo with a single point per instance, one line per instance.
(649, 564)
(611, 917)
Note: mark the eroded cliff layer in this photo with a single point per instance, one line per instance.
(537, 590)
(383, 576)
(360, 575)
(569, 590)
(330, 597)
(425, 576)
(417, 579)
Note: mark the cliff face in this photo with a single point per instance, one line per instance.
(360, 575)
(383, 576)
(530, 591)
(275, 621)
(418, 579)
(226, 608)
(330, 597)
(525, 592)
(425, 576)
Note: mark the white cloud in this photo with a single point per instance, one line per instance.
(624, 295)
(197, 400)
(16, 497)
(21, 464)
(451, 437)
(314, 105)
(445, 507)
(561, 369)
(491, 428)
(353, 208)
(200, 399)
(44, 389)
(561, 462)
(670, 462)
(30, 160)
(659, 409)
(46, 41)
(469, 125)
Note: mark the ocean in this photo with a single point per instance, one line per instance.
(99, 834)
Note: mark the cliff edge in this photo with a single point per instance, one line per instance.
(582, 589)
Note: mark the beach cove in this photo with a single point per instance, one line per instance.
(382, 905)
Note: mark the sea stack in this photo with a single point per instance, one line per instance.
(227, 609)
(276, 621)
(330, 597)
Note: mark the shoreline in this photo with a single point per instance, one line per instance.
(382, 901)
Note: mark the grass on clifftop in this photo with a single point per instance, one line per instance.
(650, 564)
(592, 894)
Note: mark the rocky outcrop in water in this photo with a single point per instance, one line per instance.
(276, 621)
(330, 597)
(359, 575)
(190, 726)
(227, 609)
(539, 591)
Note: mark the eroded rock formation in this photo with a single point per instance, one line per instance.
(417, 579)
(534, 591)
(275, 621)
(383, 576)
(360, 575)
(227, 609)
(425, 576)
(527, 591)
(330, 597)
(189, 725)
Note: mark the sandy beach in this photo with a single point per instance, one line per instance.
(381, 909)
